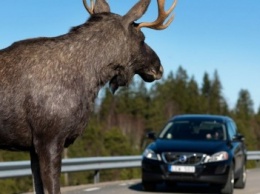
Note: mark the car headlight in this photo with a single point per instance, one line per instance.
(150, 154)
(217, 157)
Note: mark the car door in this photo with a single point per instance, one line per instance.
(237, 147)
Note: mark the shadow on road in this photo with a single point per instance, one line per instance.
(180, 188)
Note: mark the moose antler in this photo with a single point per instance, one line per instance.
(96, 7)
(159, 24)
(89, 9)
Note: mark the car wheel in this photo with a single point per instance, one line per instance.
(229, 186)
(241, 181)
(148, 186)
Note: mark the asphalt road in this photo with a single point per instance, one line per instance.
(134, 187)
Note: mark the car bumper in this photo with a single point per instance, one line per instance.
(213, 173)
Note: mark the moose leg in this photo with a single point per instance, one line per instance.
(50, 154)
(37, 181)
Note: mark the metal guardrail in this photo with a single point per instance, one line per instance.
(22, 168)
(253, 155)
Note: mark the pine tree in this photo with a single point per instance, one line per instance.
(244, 106)
(217, 101)
(244, 113)
(194, 100)
(205, 93)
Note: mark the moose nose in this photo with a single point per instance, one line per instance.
(160, 73)
(161, 70)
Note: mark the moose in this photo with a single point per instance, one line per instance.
(48, 85)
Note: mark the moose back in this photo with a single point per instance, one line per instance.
(48, 85)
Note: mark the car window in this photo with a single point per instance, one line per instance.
(234, 127)
(231, 130)
(193, 130)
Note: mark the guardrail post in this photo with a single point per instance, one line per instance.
(66, 175)
(96, 176)
(257, 162)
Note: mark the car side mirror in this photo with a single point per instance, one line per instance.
(239, 137)
(151, 135)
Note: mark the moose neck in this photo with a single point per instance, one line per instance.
(99, 48)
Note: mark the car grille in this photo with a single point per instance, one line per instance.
(183, 158)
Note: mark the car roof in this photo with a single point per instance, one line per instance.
(209, 117)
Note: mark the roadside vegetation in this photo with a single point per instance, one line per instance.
(120, 122)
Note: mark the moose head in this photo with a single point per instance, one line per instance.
(138, 57)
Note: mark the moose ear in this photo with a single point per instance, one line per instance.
(136, 12)
(98, 6)
(101, 6)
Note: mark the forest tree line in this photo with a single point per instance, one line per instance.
(120, 122)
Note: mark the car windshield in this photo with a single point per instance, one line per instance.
(194, 130)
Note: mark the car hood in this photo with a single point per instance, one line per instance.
(207, 147)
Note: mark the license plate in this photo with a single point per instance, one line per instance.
(185, 169)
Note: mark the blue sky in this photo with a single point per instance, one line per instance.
(206, 35)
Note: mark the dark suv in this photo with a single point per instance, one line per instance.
(198, 149)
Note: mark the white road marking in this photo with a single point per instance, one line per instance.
(92, 189)
(126, 183)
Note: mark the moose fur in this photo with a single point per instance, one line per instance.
(48, 85)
